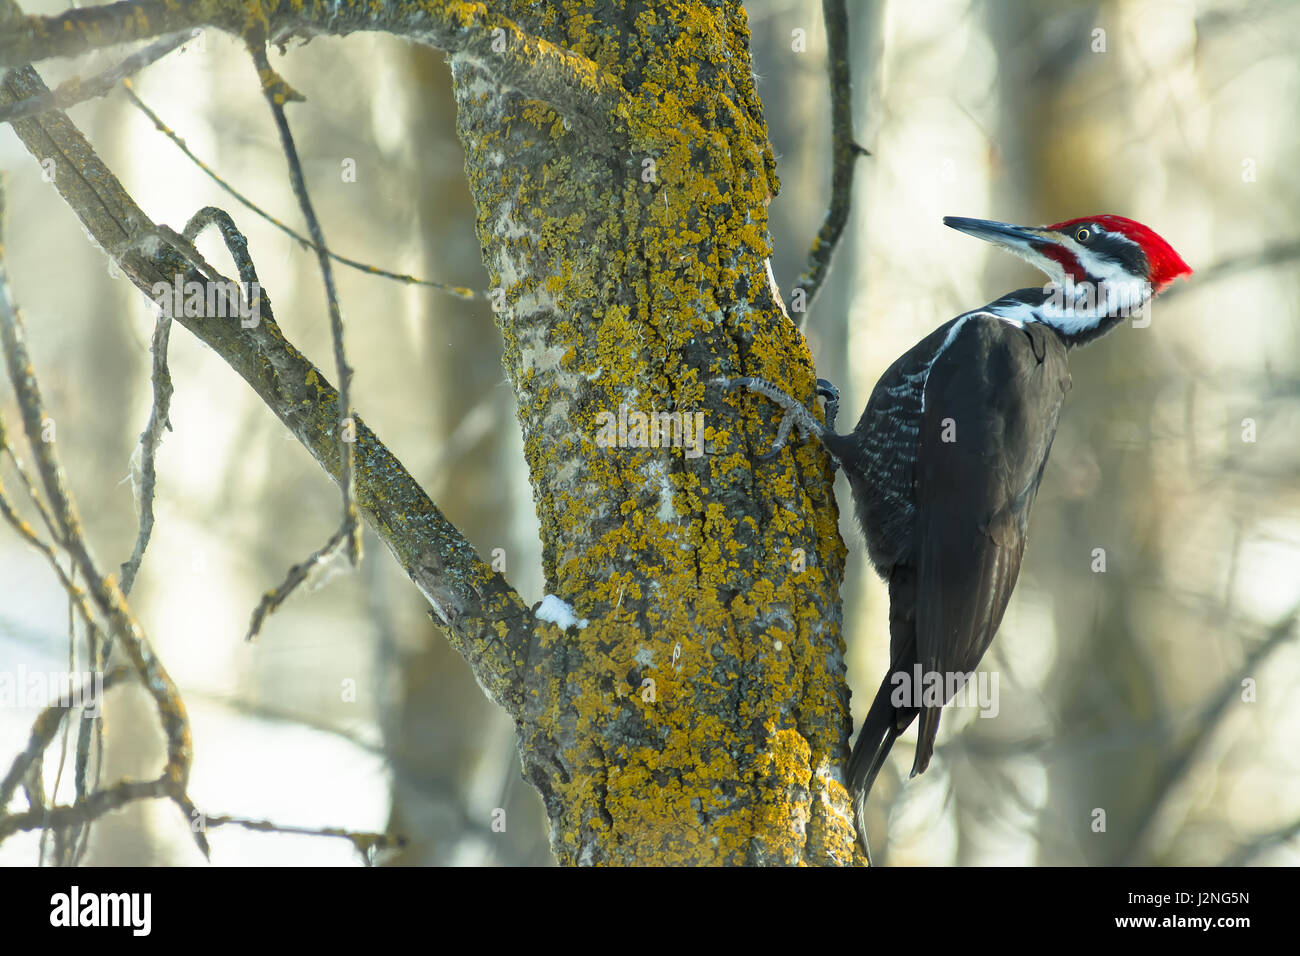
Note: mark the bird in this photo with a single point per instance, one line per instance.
(946, 460)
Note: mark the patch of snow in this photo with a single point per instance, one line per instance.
(555, 611)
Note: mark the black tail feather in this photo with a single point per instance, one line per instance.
(877, 736)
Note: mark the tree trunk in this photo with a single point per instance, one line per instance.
(701, 715)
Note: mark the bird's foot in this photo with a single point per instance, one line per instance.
(831, 395)
(796, 416)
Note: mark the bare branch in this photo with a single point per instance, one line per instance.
(588, 97)
(277, 93)
(150, 439)
(459, 292)
(844, 155)
(365, 843)
(92, 808)
(25, 531)
(237, 245)
(76, 91)
(32, 495)
(104, 592)
(295, 576)
(486, 621)
(44, 729)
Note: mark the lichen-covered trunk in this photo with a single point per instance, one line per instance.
(701, 714)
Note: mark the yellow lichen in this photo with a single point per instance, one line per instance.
(627, 290)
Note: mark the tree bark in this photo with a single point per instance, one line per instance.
(619, 290)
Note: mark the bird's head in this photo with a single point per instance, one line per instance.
(1102, 267)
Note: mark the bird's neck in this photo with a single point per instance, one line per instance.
(1077, 312)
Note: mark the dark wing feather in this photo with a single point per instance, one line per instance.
(997, 392)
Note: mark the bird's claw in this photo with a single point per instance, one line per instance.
(796, 416)
(831, 394)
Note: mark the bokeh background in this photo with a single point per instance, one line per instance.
(1160, 691)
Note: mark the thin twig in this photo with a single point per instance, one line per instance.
(296, 575)
(104, 591)
(237, 245)
(61, 844)
(44, 728)
(77, 604)
(159, 416)
(277, 93)
(365, 843)
(95, 806)
(460, 292)
(90, 735)
(844, 154)
(25, 531)
(75, 91)
(32, 494)
(150, 439)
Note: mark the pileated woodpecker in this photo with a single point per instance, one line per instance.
(946, 460)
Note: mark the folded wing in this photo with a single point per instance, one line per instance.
(992, 400)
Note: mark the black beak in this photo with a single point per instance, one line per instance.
(1012, 237)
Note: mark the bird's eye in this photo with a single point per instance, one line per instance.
(1082, 235)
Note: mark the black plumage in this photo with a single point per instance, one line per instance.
(946, 520)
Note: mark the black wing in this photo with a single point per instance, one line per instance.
(879, 455)
(992, 400)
